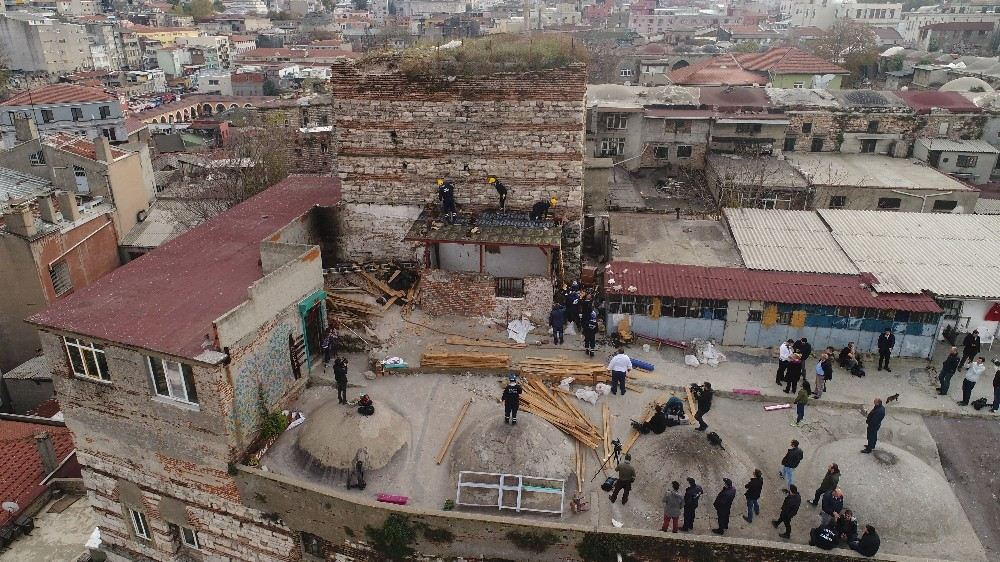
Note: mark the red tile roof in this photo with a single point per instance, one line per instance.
(248, 77)
(79, 146)
(720, 70)
(922, 101)
(788, 60)
(733, 283)
(55, 94)
(167, 301)
(21, 469)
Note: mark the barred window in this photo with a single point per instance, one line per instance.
(509, 288)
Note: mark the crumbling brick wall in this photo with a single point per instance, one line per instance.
(472, 294)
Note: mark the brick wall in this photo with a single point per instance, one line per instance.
(472, 294)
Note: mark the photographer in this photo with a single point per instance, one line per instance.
(703, 396)
(626, 475)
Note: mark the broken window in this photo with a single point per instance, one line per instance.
(838, 201)
(613, 147)
(172, 380)
(77, 113)
(789, 144)
(509, 288)
(868, 145)
(684, 151)
(37, 158)
(139, 524)
(59, 274)
(889, 203)
(748, 127)
(873, 127)
(313, 545)
(87, 359)
(189, 537)
(617, 121)
(661, 152)
(966, 161)
(807, 128)
(755, 315)
(817, 145)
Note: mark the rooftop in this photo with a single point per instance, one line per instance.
(21, 471)
(960, 26)
(948, 145)
(36, 368)
(79, 146)
(872, 171)
(927, 100)
(869, 99)
(733, 283)
(57, 94)
(167, 300)
(616, 95)
(734, 98)
(788, 60)
(18, 185)
(786, 241)
(511, 228)
(717, 71)
(771, 172)
(803, 98)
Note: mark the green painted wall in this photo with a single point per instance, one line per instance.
(789, 80)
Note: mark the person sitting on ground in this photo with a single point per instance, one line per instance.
(824, 536)
(854, 365)
(674, 407)
(868, 544)
(657, 424)
(847, 528)
(365, 406)
(844, 353)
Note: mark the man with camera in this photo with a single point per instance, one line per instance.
(626, 475)
(703, 397)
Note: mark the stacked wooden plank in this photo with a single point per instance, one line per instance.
(459, 340)
(646, 416)
(556, 369)
(460, 360)
(560, 411)
(349, 311)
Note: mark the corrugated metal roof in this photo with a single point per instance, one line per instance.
(948, 255)
(948, 145)
(988, 206)
(512, 228)
(786, 241)
(732, 283)
(17, 185)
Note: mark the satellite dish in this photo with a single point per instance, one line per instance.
(10, 507)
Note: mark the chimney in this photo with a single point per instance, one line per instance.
(67, 205)
(47, 452)
(25, 128)
(103, 149)
(20, 220)
(47, 206)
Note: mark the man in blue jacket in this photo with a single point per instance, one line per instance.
(874, 422)
(557, 319)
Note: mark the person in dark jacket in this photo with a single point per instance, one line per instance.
(691, 496)
(571, 300)
(340, 378)
(793, 374)
(501, 191)
(996, 387)
(557, 319)
(723, 505)
(704, 399)
(656, 424)
(803, 348)
(970, 347)
(824, 536)
(948, 370)
(886, 342)
(847, 528)
(793, 456)
(540, 209)
(754, 488)
(868, 544)
(789, 509)
(590, 332)
(844, 353)
(830, 482)
(446, 194)
(511, 399)
(328, 345)
(874, 422)
(626, 476)
(833, 504)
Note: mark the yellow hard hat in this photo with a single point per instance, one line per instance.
(553, 201)
(491, 179)
(440, 181)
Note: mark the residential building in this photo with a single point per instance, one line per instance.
(222, 353)
(103, 33)
(807, 13)
(134, 83)
(248, 84)
(172, 60)
(235, 23)
(215, 83)
(35, 42)
(165, 36)
(789, 67)
(130, 50)
(749, 181)
(66, 108)
(974, 161)
(214, 48)
(913, 22)
(242, 43)
(99, 58)
(967, 38)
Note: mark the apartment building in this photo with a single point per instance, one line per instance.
(66, 108)
(215, 50)
(35, 42)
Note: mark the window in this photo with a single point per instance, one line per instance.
(798, 85)
(77, 114)
(661, 152)
(807, 128)
(627, 73)
(816, 145)
(213, 82)
(111, 134)
(323, 148)
(87, 359)
(888, 203)
(105, 111)
(172, 380)
(37, 158)
(314, 545)
(755, 315)
(612, 147)
(943, 129)
(189, 538)
(139, 524)
(678, 126)
(748, 127)
(617, 121)
(684, 151)
(838, 201)
(60, 277)
(510, 288)
(789, 144)
(868, 145)
(965, 161)
(47, 116)
(944, 206)
(873, 126)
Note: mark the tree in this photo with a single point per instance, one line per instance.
(201, 8)
(219, 6)
(850, 44)
(270, 88)
(746, 47)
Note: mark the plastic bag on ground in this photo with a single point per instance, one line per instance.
(564, 384)
(586, 395)
(517, 330)
(602, 389)
(690, 360)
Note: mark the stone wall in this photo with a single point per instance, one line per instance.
(371, 232)
(473, 294)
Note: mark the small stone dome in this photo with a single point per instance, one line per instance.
(966, 84)
(334, 434)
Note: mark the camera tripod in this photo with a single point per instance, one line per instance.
(616, 454)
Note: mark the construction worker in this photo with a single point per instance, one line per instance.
(511, 400)
(590, 334)
(446, 194)
(540, 210)
(501, 191)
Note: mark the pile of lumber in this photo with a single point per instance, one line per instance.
(465, 360)
(556, 369)
(559, 410)
(460, 340)
(349, 311)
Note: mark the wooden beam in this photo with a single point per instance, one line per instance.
(454, 429)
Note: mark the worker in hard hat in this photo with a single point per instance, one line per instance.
(501, 191)
(446, 194)
(541, 209)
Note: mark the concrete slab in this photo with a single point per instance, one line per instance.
(58, 537)
(661, 238)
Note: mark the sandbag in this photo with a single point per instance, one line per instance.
(690, 360)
